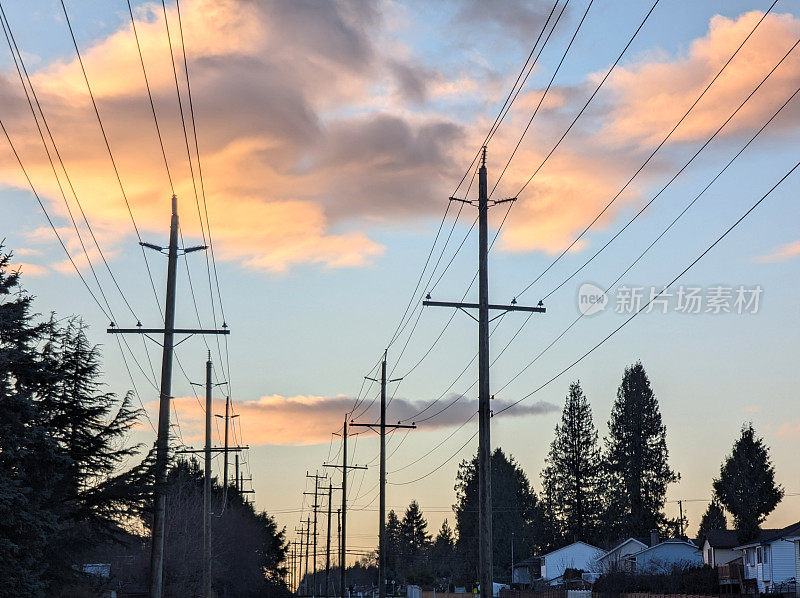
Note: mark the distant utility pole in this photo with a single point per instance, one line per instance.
(207, 488)
(484, 394)
(162, 441)
(680, 506)
(300, 578)
(382, 477)
(308, 542)
(343, 530)
(328, 543)
(316, 477)
(236, 472)
(227, 419)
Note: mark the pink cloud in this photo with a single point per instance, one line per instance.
(782, 254)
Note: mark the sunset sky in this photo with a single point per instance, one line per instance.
(331, 135)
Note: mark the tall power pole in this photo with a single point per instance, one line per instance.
(207, 488)
(328, 542)
(227, 417)
(484, 393)
(308, 533)
(165, 395)
(343, 532)
(382, 479)
(316, 477)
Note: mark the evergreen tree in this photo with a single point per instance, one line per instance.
(392, 546)
(636, 460)
(30, 465)
(414, 540)
(443, 553)
(515, 509)
(713, 519)
(573, 471)
(746, 484)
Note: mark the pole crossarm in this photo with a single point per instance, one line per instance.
(139, 330)
(460, 305)
(376, 427)
(215, 449)
(344, 467)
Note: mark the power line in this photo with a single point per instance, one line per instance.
(656, 296)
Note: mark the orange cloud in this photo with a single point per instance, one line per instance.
(651, 95)
(273, 419)
(782, 254)
(282, 183)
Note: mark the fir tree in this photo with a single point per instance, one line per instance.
(392, 546)
(573, 471)
(515, 509)
(30, 465)
(636, 460)
(746, 484)
(443, 552)
(713, 519)
(414, 539)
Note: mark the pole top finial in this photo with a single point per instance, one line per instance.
(483, 157)
(174, 204)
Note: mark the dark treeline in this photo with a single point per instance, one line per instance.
(75, 489)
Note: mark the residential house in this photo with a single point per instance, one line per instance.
(578, 555)
(526, 571)
(718, 547)
(665, 556)
(616, 558)
(770, 558)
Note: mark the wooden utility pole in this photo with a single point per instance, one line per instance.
(165, 395)
(339, 535)
(300, 578)
(382, 477)
(484, 394)
(227, 419)
(343, 529)
(316, 477)
(207, 488)
(328, 543)
(308, 542)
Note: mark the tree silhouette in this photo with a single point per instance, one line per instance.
(636, 460)
(572, 476)
(746, 484)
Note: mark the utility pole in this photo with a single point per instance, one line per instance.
(484, 394)
(343, 529)
(300, 577)
(308, 533)
(227, 419)
(339, 537)
(328, 543)
(236, 479)
(207, 488)
(382, 477)
(165, 395)
(680, 506)
(316, 477)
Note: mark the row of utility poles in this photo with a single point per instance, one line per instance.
(173, 251)
(484, 307)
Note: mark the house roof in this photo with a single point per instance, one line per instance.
(621, 544)
(722, 538)
(534, 560)
(570, 546)
(769, 535)
(664, 543)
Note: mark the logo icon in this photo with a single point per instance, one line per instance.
(591, 299)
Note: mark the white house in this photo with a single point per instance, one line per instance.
(663, 557)
(719, 547)
(770, 559)
(615, 559)
(578, 555)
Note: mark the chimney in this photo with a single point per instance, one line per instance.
(654, 538)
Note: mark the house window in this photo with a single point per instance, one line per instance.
(759, 557)
(766, 554)
(751, 557)
(710, 557)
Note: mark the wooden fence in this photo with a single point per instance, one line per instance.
(560, 593)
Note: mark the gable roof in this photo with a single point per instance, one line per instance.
(621, 544)
(570, 546)
(722, 538)
(664, 543)
(770, 535)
